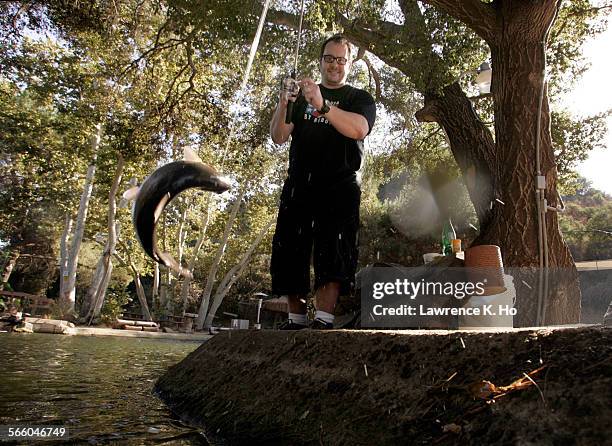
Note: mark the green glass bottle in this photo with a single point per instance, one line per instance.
(448, 234)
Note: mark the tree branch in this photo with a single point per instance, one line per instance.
(24, 8)
(360, 35)
(582, 12)
(479, 16)
(168, 44)
(371, 70)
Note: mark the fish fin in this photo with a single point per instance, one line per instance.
(131, 193)
(225, 182)
(191, 155)
(169, 261)
(160, 206)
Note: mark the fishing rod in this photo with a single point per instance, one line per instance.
(295, 66)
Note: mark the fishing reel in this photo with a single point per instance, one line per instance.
(290, 85)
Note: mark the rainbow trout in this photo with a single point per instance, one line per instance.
(158, 190)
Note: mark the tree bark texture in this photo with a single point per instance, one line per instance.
(99, 298)
(89, 301)
(164, 285)
(455, 113)
(519, 64)
(212, 273)
(100, 282)
(67, 295)
(64, 251)
(142, 298)
(181, 234)
(155, 291)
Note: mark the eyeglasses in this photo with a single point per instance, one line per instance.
(328, 58)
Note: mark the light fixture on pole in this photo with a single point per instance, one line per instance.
(483, 79)
(259, 297)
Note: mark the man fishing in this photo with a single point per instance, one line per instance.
(320, 199)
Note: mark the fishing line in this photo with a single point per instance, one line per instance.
(245, 78)
(299, 37)
(289, 112)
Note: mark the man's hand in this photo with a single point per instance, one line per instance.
(279, 130)
(312, 93)
(349, 124)
(289, 91)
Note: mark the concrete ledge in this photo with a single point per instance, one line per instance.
(387, 388)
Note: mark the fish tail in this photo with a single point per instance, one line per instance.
(169, 261)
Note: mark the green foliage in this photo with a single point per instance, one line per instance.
(115, 300)
(578, 21)
(460, 49)
(573, 139)
(587, 223)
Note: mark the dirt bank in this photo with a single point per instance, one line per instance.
(375, 388)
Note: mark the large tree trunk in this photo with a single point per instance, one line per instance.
(470, 141)
(89, 301)
(142, 298)
(67, 294)
(63, 270)
(520, 101)
(506, 171)
(212, 273)
(99, 298)
(97, 291)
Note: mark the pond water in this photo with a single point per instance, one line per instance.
(99, 388)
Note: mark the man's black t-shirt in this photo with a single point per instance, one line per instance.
(319, 153)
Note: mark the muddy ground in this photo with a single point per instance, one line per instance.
(388, 388)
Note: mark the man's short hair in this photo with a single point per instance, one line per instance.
(336, 38)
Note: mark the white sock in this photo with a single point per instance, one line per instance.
(297, 318)
(324, 316)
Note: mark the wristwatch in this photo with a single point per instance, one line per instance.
(325, 108)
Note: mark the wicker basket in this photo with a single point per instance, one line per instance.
(485, 265)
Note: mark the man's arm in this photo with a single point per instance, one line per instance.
(279, 131)
(349, 124)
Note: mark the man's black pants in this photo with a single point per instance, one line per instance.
(318, 221)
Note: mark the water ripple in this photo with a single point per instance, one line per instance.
(100, 388)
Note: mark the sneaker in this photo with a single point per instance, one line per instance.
(319, 324)
(289, 325)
